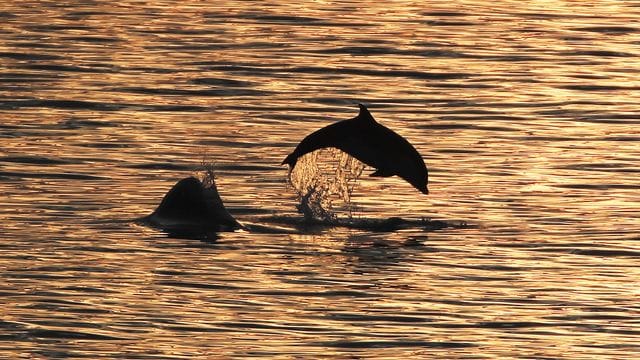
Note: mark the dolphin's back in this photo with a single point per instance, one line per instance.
(191, 204)
(334, 135)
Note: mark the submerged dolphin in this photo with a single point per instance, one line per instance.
(192, 205)
(372, 143)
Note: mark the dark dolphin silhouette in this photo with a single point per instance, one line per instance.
(190, 205)
(372, 143)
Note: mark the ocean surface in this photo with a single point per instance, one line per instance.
(527, 114)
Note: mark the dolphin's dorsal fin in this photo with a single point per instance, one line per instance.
(364, 113)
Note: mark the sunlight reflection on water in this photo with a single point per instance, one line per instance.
(324, 181)
(525, 112)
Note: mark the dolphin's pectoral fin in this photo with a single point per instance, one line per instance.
(381, 173)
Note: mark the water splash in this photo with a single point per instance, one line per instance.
(206, 173)
(324, 181)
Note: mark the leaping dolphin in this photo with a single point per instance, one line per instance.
(372, 143)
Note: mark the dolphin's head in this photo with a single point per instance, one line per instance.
(419, 178)
(421, 184)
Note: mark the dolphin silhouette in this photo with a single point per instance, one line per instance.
(192, 205)
(372, 143)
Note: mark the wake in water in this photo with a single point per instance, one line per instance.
(324, 181)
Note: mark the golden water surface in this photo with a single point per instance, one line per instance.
(526, 113)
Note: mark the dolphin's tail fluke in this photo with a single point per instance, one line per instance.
(291, 160)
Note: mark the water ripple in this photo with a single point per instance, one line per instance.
(525, 112)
